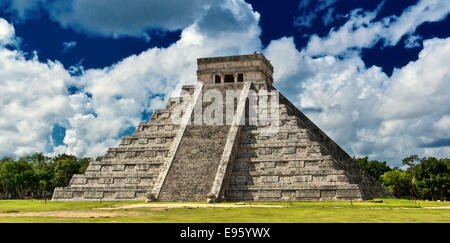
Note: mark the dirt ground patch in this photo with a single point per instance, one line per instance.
(189, 205)
(63, 214)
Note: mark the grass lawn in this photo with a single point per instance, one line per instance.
(391, 210)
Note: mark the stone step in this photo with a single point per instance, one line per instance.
(113, 182)
(150, 173)
(297, 194)
(97, 194)
(278, 143)
(105, 168)
(157, 130)
(195, 164)
(272, 172)
(132, 161)
(146, 142)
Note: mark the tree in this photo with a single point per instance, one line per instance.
(83, 164)
(65, 166)
(43, 168)
(374, 167)
(433, 178)
(411, 161)
(398, 183)
(16, 178)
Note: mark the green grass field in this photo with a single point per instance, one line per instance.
(391, 210)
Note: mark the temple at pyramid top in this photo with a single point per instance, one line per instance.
(234, 69)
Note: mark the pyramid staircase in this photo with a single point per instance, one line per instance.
(129, 171)
(187, 161)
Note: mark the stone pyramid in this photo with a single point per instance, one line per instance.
(231, 161)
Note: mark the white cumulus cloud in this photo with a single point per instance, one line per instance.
(7, 32)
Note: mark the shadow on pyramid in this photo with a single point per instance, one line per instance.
(230, 137)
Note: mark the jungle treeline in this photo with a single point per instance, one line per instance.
(36, 176)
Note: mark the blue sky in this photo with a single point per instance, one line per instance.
(77, 75)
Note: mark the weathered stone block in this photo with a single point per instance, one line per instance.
(78, 181)
(108, 195)
(259, 137)
(282, 165)
(287, 179)
(142, 167)
(118, 167)
(161, 153)
(132, 180)
(77, 194)
(62, 194)
(276, 151)
(125, 194)
(303, 178)
(92, 167)
(146, 181)
(269, 165)
(311, 163)
(289, 150)
(264, 151)
(125, 141)
(328, 193)
(338, 178)
(105, 180)
(282, 136)
(349, 193)
(308, 193)
(297, 164)
(269, 194)
(91, 181)
(130, 154)
(317, 178)
(93, 194)
(288, 195)
(110, 155)
(269, 178)
(142, 141)
(149, 153)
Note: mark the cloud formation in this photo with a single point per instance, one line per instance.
(7, 32)
(67, 45)
(308, 14)
(362, 31)
(116, 18)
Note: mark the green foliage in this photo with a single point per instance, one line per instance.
(432, 178)
(426, 178)
(398, 182)
(36, 176)
(411, 161)
(374, 167)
